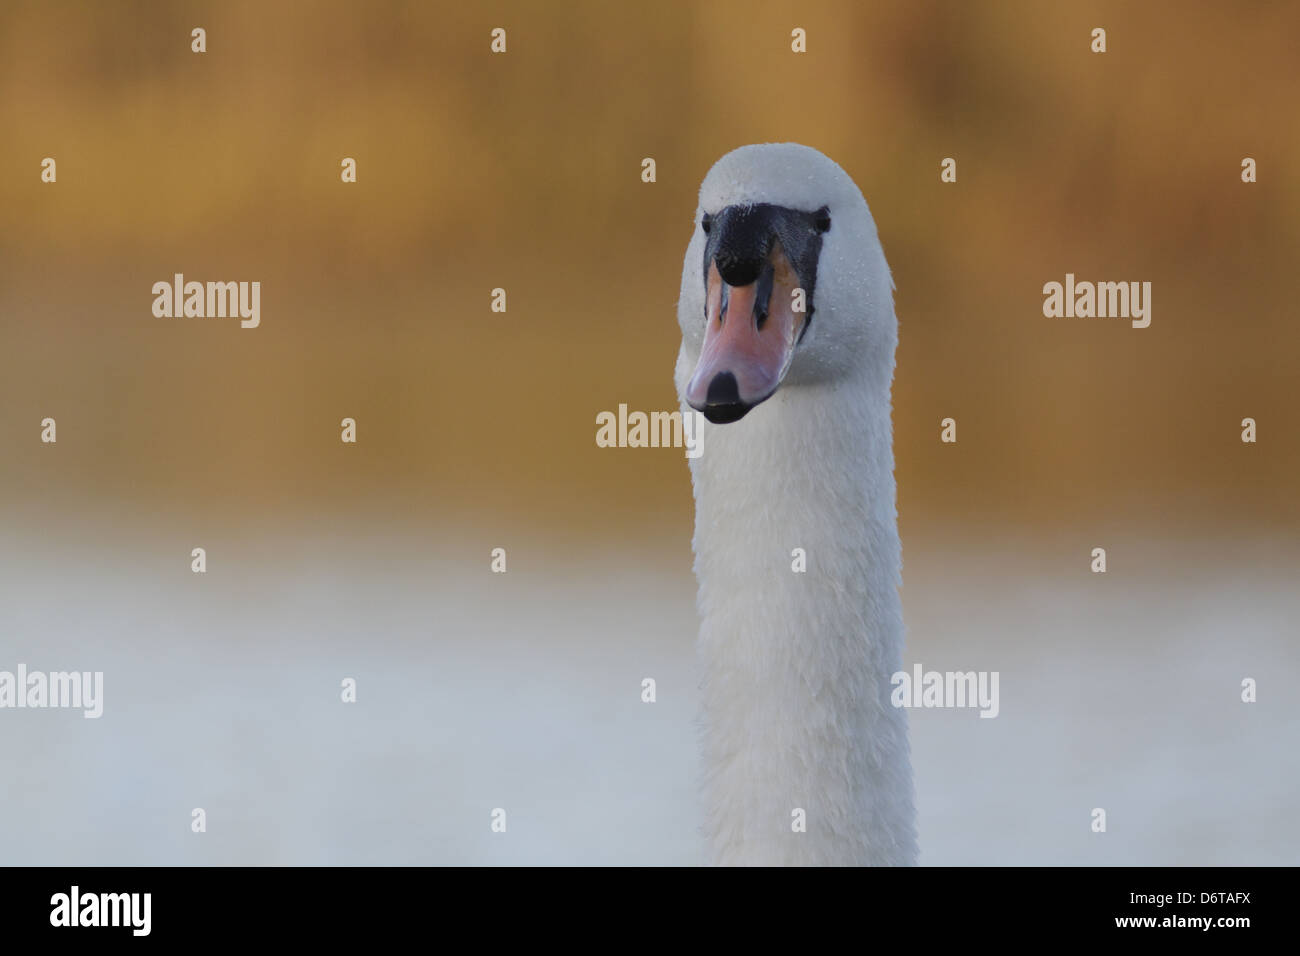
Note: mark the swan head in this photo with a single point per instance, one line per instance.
(784, 283)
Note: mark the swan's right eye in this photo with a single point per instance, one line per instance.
(706, 223)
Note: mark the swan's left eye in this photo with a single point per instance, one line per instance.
(822, 220)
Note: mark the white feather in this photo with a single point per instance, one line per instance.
(797, 666)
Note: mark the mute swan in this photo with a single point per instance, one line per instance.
(797, 666)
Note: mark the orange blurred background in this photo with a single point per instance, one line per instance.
(522, 171)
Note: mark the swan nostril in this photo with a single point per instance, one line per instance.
(723, 390)
(763, 295)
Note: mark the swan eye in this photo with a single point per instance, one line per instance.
(822, 220)
(706, 223)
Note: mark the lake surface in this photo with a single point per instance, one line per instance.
(522, 691)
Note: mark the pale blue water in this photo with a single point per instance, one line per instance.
(522, 691)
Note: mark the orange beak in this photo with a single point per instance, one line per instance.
(749, 339)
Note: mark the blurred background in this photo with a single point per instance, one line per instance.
(476, 429)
